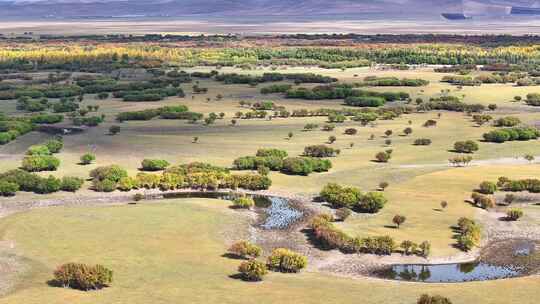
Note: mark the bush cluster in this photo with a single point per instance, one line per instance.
(469, 234)
(38, 163)
(511, 134)
(285, 260)
(467, 146)
(243, 202)
(531, 185)
(252, 270)
(352, 198)
(19, 180)
(154, 164)
(320, 151)
(245, 249)
(82, 276)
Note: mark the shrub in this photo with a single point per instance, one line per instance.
(398, 220)
(430, 123)
(37, 163)
(245, 249)
(113, 130)
(8, 188)
(351, 131)
(55, 145)
(38, 150)
(47, 185)
(427, 299)
(383, 157)
(372, 202)
(87, 158)
(487, 187)
(511, 134)
(112, 173)
(507, 121)
(305, 165)
(343, 213)
(422, 142)
(469, 234)
(244, 202)
(339, 196)
(271, 153)
(252, 270)
(154, 164)
(105, 185)
(285, 260)
(483, 201)
(71, 184)
(514, 214)
(380, 245)
(425, 248)
(83, 277)
(319, 151)
(468, 146)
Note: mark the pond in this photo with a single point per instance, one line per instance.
(278, 212)
(498, 260)
(448, 273)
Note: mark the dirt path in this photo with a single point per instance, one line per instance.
(483, 162)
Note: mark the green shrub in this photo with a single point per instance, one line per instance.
(245, 249)
(87, 158)
(252, 270)
(319, 151)
(38, 150)
(339, 196)
(112, 173)
(8, 188)
(305, 165)
(271, 153)
(487, 187)
(105, 185)
(285, 260)
(37, 163)
(467, 146)
(55, 145)
(83, 277)
(244, 202)
(512, 134)
(372, 202)
(483, 201)
(71, 184)
(514, 214)
(47, 185)
(469, 234)
(154, 164)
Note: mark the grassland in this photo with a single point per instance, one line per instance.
(178, 245)
(165, 252)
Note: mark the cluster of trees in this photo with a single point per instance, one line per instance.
(507, 121)
(450, 103)
(11, 128)
(353, 198)
(512, 134)
(374, 81)
(276, 88)
(20, 180)
(460, 161)
(45, 118)
(281, 259)
(320, 151)
(466, 146)
(330, 237)
(469, 234)
(533, 99)
(193, 175)
(298, 78)
(342, 91)
(531, 185)
(277, 160)
(82, 276)
(168, 112)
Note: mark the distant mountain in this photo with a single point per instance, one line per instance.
(108, 8)
(306, 8)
